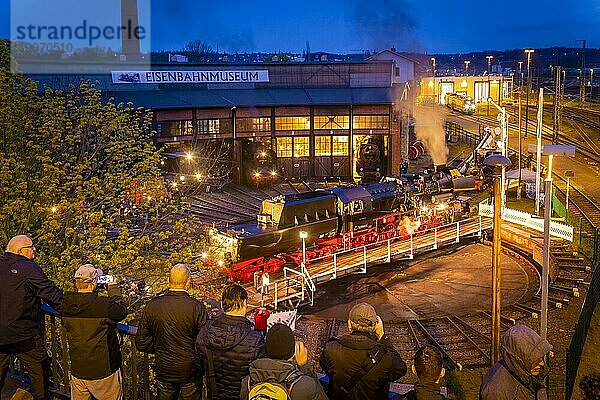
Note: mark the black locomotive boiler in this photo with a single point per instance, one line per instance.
(259, 163)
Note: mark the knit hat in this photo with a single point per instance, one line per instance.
(363, 314)
(280, 343)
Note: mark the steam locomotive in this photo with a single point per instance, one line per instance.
(349, 215)
(460, 103)
(259, 163)
(370, 159)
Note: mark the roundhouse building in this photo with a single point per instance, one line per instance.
(315, 118)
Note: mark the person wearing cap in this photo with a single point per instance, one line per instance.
(520, 373)
(286, 364)
(168, 329)
(363, 363)
(90, 321)
(23, 287)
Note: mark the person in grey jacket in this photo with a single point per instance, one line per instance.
(287, 365)
(520, 373)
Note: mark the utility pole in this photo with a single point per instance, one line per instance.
(558, 95)
(581, 73)
(528, 51)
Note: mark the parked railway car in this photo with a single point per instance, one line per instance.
(259, 163)
(460, 103)
(370, 159)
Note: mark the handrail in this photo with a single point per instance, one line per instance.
(122, 328)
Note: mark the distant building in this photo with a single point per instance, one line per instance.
(319, 119)
(404, 67)
(480, 88)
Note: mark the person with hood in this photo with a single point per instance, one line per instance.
(520, 373)
(362, 364)
(94, 349)
(227, 345)
(23, 286)
(285, 368)
(168, 328)
(429, 369)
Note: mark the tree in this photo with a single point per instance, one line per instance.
(81, 176)
(198, 50)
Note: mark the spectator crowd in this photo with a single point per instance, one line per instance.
(224, 357)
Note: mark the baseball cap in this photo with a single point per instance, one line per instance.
(88, 273)
(280, 343)
(363, 314)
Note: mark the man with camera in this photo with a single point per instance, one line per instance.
(90, 321)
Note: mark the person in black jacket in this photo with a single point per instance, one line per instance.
(362, 364)
(429, 369)
(23, 285)
(227, 345)
(168, 328)
(90, 321)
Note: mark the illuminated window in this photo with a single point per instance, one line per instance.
(213, 126)
(322, 145)
(340, 145)
(175, 128)
(301, 146)
(284, 147)
(371, 122)
(292, 123)
(261, 124)
(332, 122)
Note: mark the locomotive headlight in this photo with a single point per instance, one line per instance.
(273, 173)
(257, 174)
(182, 178)
(220, 262)
(263, 154)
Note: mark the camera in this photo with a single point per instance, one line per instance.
(103, 280)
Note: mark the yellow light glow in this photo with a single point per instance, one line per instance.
(174, 184)
(182, 178)
(188, 156)
(262, 154)
(273, 173)
(257, 174)
(463, 83)
(54, 209)
(198, 176)
(430, 84)
(303, 234)
(204, 255)
(220, 263)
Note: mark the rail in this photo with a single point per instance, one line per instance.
(136, 366)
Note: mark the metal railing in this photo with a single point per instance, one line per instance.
(575, 349)
(135, 369)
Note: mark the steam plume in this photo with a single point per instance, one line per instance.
(430, 130)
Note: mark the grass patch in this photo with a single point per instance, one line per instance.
(464, 385)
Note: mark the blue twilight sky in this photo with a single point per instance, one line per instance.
(353, 25)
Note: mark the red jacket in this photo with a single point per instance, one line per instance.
(260, 319)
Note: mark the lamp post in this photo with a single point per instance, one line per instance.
(591, 83)
(568, 174)
(434, 82)
(528, 51)
(549, 150)
(303, 236)
(520, 74)
(489, 60)
(467, 62)
(499, 162)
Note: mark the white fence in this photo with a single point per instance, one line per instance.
(557, 229)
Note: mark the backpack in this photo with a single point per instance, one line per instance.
(273, 390)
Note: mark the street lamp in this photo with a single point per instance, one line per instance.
(520, 74)
(467, 62)
(528, 51)
(434, 83)
(499, 162)
(549, 150)
(489, 60)
(303, 236)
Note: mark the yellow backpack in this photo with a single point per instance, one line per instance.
(273, 390)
